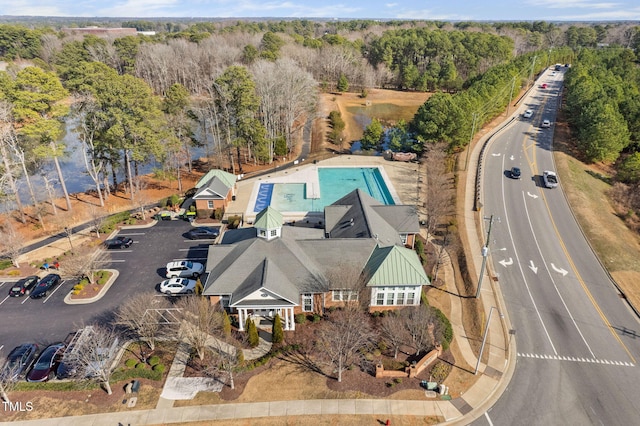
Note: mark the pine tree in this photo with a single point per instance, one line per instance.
(199, 287)
(278, 333)
(343, 83)
(254, 339)
(226, 324)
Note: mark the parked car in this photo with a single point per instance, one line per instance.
(47, 363)
(24, 286)
(203, 232)
(527, 114)
(178, 286)
(550, 179)
(118, 243)
(184, 269)
(515, 173)
(19, 361)
(545, 124)
(45, 285)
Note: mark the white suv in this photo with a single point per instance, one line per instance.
(184, 269)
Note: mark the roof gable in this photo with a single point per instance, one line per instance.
(265, 283)
(226, 178)
(214, 189)
(395, 266)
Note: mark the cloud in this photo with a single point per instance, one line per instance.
(572, 4)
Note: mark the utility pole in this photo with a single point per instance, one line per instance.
(485, 253)
(484, 337)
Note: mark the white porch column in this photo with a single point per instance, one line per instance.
(292, 324)
(241, 320)
(285, 315)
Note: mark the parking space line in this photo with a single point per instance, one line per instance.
(132, 233)
(120, 251)
(3, 300)
(191, 258)
(194, 248)
(53, 292)
(116, 261)
(201, 239)
(25, 299)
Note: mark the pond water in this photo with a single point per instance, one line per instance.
(74, 172)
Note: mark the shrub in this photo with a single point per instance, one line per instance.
(174, 200)
(141, 366)
(5, 263)
(376, 352)
(111, 222)
(447, 330)
(440, 371)
(398, 380)
(79, 287)
(234, 221)
(240, 356)
(218, 213)
(130, 363)
(316, 318)
(135, 373)
(154, 360)
(300, 318)
(159, 368)
(226, 324)
(278, 333)
(254, 338)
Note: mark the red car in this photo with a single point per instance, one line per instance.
(544, 86)
(47, 363)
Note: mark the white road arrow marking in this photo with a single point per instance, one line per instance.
(534, 196)
(559, 270)
(511, 158)
(496, 154)
(506, 263)
(533, 267)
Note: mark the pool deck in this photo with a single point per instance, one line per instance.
(402, 177)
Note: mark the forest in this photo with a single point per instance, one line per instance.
(244, 90)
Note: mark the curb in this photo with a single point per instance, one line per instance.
(114, 275)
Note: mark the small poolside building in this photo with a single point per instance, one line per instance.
(362, 255)
(215, 190)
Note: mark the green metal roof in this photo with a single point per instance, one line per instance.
(268, 218)
(227, 178)
(395, 266)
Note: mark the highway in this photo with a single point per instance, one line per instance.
(577, 351)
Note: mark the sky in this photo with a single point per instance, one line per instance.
(444, 10)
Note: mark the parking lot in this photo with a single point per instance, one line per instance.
(141, 268)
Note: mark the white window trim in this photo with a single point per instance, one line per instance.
(307, 297)
(389, 296)
(344, 295)
(210, 204)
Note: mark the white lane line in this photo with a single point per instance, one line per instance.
(577, 359)
(553, 281)
(524, 279)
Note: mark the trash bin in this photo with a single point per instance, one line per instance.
(135, 386)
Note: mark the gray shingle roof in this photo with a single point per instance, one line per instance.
(215, 189)
(358, 215)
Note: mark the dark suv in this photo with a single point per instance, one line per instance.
(45, 285)
(23, 287)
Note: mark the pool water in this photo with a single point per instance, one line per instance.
(335, 183)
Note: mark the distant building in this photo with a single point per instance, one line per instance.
(101, 32)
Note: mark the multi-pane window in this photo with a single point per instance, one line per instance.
(224, 300)
(274, 232)
(396, 296)
(307, 302)
(344, 295)
(210, 204)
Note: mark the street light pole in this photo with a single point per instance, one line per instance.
(485, 253)
(484, 338)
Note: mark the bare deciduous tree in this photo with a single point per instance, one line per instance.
(342, 337)
(145, 317)
(419, 323)
(86, 264)
(200, 322)
(394, 332)
(439, 194)
(11, 243)
(93, 357)
(8, 379)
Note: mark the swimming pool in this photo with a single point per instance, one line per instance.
(335, 182)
